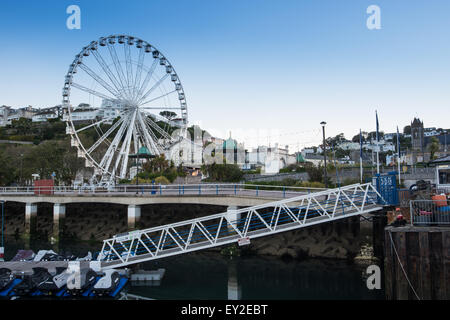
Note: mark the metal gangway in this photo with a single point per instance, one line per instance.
(240, 225)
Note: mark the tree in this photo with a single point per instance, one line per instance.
(169, 115)
(340, 153)
(372, 136)
(223, 172)
(22, 125)
(314, 173)
(434, 147)
(7, 175)
(407, 130)
(335, 140)
(364, 137)
(157, 164)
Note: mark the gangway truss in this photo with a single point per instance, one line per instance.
(239, 225)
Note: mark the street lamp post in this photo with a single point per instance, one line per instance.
(323, 123)
(2, 247)
(137, 173)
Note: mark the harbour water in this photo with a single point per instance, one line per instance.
(210, 275)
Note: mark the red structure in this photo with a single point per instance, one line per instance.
(43, 186)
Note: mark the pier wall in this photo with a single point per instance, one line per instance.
(98, 221)
(424, 253)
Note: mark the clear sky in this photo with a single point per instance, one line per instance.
(268, 71)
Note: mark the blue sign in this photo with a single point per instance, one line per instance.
(387, 188)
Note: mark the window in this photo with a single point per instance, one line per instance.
(444, 176)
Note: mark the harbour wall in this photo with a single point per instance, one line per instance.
(97, 221)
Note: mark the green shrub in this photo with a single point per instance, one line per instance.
(310, 184)
(162, 180)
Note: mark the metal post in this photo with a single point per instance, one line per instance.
(3, 212)
(21, 167)
(235, 187)
(2, 247)
(284, 192)
(217, 189)
(137, 172)
(256, 190)
(323, 123)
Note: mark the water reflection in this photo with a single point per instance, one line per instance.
(234, 288)
(211, 276)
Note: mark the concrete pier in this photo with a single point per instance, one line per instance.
(233, 216)
(234, 289)
(423, 253)
(30, 219)
(134, 215)
(59, 215)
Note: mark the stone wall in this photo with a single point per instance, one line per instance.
(302, 176)
(339, 239)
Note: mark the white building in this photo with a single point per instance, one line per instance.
(44, 116)
(4, 113)
(307, 150)
(48, 113)
(430, 132)
(315, 159)
(84, 112)
(7, 114)
(382, 146)
(271, 159)
(186, 152)
(348, 145)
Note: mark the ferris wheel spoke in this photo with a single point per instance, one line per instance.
(159, 108)
(149, 136)
(108, 157)
(93, 92)
(160, 97)
(147, 78)
(156, 85)
(117, 66)
(93, 124)
(161, 118)
(127, 147)
(125, 150)
(107, 70)
(139, 67)
(157, 128)
(135, 139)
(128, 68)
(106, 135)
(97, 78)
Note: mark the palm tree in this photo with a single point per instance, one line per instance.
(434, 147)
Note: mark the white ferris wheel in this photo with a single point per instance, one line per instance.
(122, 94)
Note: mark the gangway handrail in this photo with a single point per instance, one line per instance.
(239, 225)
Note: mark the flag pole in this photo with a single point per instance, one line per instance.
(360, 156)
(378, 145)
(398, 157)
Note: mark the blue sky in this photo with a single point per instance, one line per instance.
(268, 71)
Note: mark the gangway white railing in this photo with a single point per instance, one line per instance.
(239, 225)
